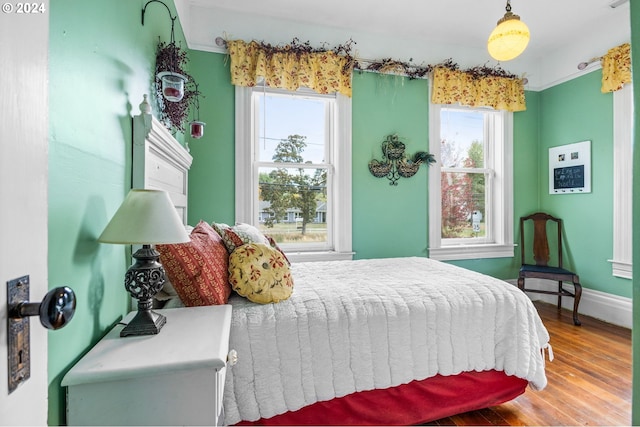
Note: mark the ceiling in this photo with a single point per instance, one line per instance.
(425, 31)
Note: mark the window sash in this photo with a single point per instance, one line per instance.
(499, 169)
(488, 206)
(329, 118)
(246, 193)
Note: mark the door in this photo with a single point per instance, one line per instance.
(24, 39)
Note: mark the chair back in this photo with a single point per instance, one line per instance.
(541, 253)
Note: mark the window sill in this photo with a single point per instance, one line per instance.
(319, 256)
(459, 252)
(621, 269)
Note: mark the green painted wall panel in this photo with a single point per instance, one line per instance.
(212, 173)
(572, 112)
(101, 62)
(388, 220)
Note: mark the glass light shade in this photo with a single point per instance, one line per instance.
(509, 39)
(172, 85)
(146, 217)
(197, 129)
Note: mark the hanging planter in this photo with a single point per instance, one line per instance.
(172, 85)
(196, 126)
(172, 82)
(176, 89)
(197, 129)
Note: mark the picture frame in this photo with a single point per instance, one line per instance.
(570, 168)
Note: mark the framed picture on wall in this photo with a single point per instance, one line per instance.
(570, 168)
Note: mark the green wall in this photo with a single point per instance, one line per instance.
(212, 173)
(101, 63)
(572, 112)
(387, 220)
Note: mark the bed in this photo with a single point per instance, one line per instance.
(382, 341)
(344, 335)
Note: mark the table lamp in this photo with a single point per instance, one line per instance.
(146, 217)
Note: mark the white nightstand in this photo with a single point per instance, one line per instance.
(173, 378)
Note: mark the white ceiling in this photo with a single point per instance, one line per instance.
(563, 32)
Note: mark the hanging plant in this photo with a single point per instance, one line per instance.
(169, 56)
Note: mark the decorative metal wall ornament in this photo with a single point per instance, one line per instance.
(395, 164)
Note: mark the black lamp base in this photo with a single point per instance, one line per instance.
(145, 322)
(143, 280)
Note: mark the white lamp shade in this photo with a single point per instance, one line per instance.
(508, 40)
(146, 217)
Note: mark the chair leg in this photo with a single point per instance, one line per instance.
(521, 283)
(576, 301)
(559, 295)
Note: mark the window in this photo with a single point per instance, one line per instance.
(293, 169)
(470, 186)
(622, 181)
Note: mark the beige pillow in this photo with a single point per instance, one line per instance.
(260, 273)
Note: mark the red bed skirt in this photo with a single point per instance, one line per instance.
(409, 404)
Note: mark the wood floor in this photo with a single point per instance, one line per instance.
(589, 379)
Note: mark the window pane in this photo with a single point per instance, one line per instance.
(291, 118)
(293, 204)
(462, 139)
(463, 205)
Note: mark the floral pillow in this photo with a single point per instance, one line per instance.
(198, 270)
(260, 273)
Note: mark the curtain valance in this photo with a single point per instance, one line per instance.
(324, 72)
(616, 68)
(455, 86)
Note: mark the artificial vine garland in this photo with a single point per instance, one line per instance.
(383, 66)
(169, 56)
(412, 71)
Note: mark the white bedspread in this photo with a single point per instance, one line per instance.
(358, 325)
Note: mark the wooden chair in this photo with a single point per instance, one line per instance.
(541, 269)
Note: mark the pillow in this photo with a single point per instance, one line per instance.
(241, 234)
(274, 245)
(260, 273)
(168, 292)
(236, 236)
(198, 270)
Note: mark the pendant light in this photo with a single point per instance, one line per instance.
(510, 38)
(172, 81)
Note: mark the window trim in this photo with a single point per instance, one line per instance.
(245, 174)
(622, 261)
(503, 245)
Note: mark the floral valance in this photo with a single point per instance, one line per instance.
(455, 86)
(616, 68)
(324, 72)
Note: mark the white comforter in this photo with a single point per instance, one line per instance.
(358, 325)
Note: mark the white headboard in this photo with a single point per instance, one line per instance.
(160, 162)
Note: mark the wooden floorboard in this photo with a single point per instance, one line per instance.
(589, 379)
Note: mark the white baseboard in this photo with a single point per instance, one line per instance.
(600, 305)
